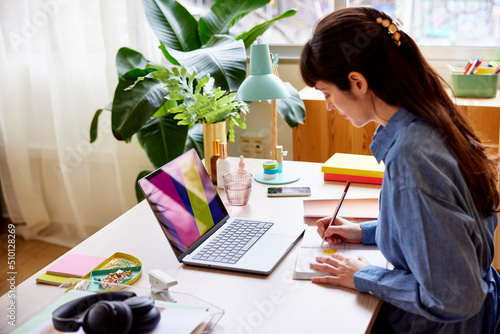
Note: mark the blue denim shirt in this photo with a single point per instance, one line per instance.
(430, 230)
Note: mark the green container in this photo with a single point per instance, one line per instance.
(474, 85)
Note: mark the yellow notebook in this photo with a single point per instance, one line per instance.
(52, 279)
(354, 164)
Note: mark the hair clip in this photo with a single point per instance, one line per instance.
(393, 28)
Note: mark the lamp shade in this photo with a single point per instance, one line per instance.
(261, 84)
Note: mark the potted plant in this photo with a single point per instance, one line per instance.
(200, 102)
(186, 42)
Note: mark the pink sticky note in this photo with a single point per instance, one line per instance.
(75, 265)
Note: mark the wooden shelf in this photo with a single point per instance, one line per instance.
(325, 133)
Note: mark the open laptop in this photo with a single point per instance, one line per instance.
(194, 219)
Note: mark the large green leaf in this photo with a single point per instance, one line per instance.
(292, 108)
(223, 14)
(162, 139)
(195, 139)
(95, 125)
(250, 36)
(133, 108)
(128, 59)
(223, 58)
(138, 192)
(173, 24)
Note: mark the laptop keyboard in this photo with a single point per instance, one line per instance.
(233, 242)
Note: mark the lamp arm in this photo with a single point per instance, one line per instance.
(274, 117)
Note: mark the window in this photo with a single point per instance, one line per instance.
(471, 23)
(295, 30)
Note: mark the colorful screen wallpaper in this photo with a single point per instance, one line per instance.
(183, 199)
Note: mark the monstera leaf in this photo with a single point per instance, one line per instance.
(224, 59)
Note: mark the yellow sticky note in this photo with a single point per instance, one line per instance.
(329, 251)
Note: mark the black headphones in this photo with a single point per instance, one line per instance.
(114, 312)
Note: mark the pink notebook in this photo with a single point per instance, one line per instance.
(75, 265)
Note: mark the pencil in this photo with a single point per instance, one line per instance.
(337, 209)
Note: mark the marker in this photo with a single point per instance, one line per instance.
(337, 209)
(467, 67)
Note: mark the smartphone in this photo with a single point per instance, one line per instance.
(288, 191)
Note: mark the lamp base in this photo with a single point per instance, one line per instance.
(284, 177)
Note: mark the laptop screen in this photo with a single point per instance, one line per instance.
(184, 200)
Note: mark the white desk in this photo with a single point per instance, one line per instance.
(252, 303)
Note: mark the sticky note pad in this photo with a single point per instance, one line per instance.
(329, 251)
(354, 165)
(75, 265)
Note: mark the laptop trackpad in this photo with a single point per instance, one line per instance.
(265, 254)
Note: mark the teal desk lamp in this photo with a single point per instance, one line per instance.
(263, 83)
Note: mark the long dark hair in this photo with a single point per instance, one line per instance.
(350, 39)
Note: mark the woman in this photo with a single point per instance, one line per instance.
(438, 203)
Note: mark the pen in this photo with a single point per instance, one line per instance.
(467, 67)
(337, 209)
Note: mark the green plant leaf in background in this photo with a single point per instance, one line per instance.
(224, 58)
(133, 108)
(162, 139)
(195, 139)
(138, 192)
(223, 15)
(293, 105)
(128, 59)
(94, 125)
(168, 56)
(250, 36)
(173, 24)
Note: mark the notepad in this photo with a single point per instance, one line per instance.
(353, 167)
(310, 248)
(75, 265)
(352, 208)
(52, 279)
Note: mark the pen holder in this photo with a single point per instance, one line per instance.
(474, 85)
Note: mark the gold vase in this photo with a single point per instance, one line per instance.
(212, 132)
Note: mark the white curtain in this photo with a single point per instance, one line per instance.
(57, 67)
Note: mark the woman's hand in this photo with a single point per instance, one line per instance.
(341, 268)
(341, 230)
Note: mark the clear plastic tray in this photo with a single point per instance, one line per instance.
(180, 299)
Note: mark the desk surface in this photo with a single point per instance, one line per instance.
(252, 303)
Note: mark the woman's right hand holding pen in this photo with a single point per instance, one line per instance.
(342, 230)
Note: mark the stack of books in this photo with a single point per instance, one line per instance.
(354, 168)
